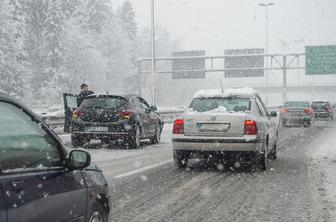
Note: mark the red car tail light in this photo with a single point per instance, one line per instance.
(309, 111)
(178, 126)
(126, 114)
(284, 111)
(77, 113)
(250, 127)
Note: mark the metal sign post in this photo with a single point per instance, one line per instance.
(139, 77)
(153, 53)
(284, 79)
(280, 65)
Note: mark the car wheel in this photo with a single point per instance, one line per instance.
(180, 160)
(274, 154)
(156, 138)
(98, 215)
(307, 123)
(284, 123)
(264, 159)
(135, 139)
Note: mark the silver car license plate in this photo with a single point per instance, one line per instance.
(219, 127)
(96, 129)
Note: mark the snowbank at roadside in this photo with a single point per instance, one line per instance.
(322, 153)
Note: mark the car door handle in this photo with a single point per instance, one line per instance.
(17, 185)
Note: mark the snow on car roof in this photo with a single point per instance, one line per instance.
(226, 92)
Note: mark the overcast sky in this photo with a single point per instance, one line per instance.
(215, 25)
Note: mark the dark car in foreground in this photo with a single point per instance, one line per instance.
(39, 180)
(125, 119)
(297, 113)
(323, 110)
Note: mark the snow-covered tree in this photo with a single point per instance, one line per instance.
(52, 46)
(11, 69)
(98, 13)
(126, 15)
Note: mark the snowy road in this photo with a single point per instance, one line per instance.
(145, 185)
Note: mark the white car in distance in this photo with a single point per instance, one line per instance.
(231, 124)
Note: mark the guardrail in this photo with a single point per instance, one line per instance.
(168, 116)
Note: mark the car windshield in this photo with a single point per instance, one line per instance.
(23, 142)
(320, 104)
(296, 104)
(105, 103)
(229, 104)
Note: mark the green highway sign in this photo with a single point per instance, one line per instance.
(321, 60)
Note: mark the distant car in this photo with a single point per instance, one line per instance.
(323, 110)
(125, 119)
(229, 125)
(53, 112)
(39, 180)
(297, 113)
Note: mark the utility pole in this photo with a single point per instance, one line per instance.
(284, 79)
(153, 53)
(139, 77)
(266, 5)
(298, 44)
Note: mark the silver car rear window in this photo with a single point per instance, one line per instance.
(297, 104)
(230, 104)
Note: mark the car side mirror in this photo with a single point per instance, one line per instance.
(79, 159)
(153, 108)
(273, 114)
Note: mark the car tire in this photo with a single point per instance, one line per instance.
(264, 159)
(273, 154)
(284, 123)
(156, 138)
(98, 214)
(180, 160)
(76, 142)
(134, 141)
(306, 124)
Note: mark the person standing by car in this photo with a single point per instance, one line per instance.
(84, 93)
(71, 102)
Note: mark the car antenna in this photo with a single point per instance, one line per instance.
(221, 85)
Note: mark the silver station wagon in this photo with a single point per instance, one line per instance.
(232, 125)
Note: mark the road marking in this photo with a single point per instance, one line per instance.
(142, 169)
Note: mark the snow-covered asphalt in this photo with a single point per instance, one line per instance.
(146, 186)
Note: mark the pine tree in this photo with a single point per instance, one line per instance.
(127, 18)
(98, 13)
(11, 70)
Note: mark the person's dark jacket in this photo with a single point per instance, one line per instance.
(82, 95)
